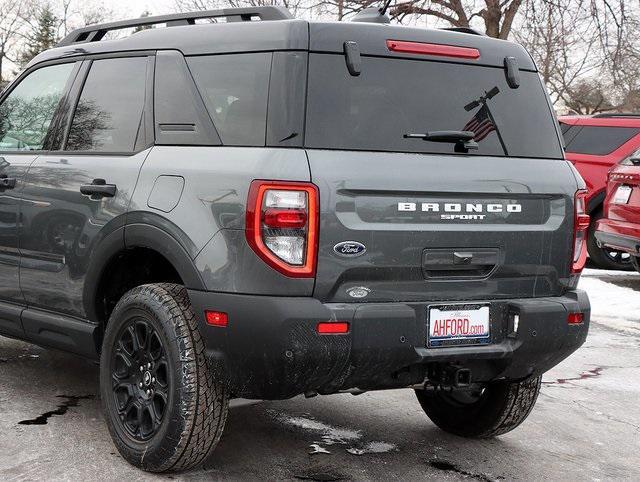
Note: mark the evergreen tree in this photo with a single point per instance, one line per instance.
(43, 36)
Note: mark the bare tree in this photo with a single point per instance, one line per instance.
(586, 52)
(497, 15)
(11, 27)
(295, 6)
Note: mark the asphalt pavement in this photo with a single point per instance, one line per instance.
(585, 426)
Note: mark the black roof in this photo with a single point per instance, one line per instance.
(276, 30)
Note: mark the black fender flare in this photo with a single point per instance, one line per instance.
(151, 231)
(153, 237)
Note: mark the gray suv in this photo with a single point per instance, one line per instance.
(270, 208)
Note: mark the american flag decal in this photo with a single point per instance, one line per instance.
(480, 124)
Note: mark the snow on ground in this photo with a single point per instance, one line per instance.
(613, 305)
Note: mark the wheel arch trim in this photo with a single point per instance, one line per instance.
(143, 235)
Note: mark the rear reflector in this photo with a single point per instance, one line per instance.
(575, 318)
(217, 318)
(438, 50)
(333, 328)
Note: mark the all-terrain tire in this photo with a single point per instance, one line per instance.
(197, 399)
(501, 408)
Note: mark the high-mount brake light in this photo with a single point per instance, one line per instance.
(580, 229)
(439, 50)
(282, 226)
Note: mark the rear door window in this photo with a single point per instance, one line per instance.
(26, 113)
(598, 141)
(393, 97)
(109, 114)
(235, 91)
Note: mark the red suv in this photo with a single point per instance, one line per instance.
(620, 228)
(594, 144)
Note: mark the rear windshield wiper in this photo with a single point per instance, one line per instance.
(463, 140)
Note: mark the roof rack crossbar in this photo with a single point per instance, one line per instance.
(95, 33)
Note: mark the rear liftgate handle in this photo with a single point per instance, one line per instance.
(98, 189)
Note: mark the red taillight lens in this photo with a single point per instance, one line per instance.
(575, 318)
(439, 50)
(282, 226)
(285, 218)
(581, 227)
(216, 318)
(333, 328)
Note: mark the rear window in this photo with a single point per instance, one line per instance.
(595, 140)
(235, 91)
(393, 97)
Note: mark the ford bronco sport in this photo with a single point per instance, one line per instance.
(265, 209)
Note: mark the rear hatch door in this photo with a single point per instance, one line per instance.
(412, 219)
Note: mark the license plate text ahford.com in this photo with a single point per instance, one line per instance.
(458, 325)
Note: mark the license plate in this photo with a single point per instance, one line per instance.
(622, 195)
(455, 325)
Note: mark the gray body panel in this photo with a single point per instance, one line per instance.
(292, 35)
(12, 166)
(212, 210)
(62, 228)
(359, 195)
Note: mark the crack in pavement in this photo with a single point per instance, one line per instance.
(445, 466)
(607, 416)
(71, 401)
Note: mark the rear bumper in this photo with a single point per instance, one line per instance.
(620, 235)
(270, 348)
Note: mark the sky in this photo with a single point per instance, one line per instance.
(133, 8)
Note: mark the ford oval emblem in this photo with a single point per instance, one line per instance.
(350, 249)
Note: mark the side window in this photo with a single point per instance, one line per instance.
(109, 114)
(26, 113)
(235, 91)
(599, 141)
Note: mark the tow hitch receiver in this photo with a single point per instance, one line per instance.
(450, 376)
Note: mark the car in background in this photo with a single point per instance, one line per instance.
(594, 144)
(620, 228)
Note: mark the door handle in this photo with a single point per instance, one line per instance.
(98, 188)
(7, 182)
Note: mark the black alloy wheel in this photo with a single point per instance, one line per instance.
(140, 379)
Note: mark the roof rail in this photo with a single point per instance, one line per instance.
(95, 33)
(612, 114)
(472, 31)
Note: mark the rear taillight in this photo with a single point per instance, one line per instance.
(282, 225)
(581, 227)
